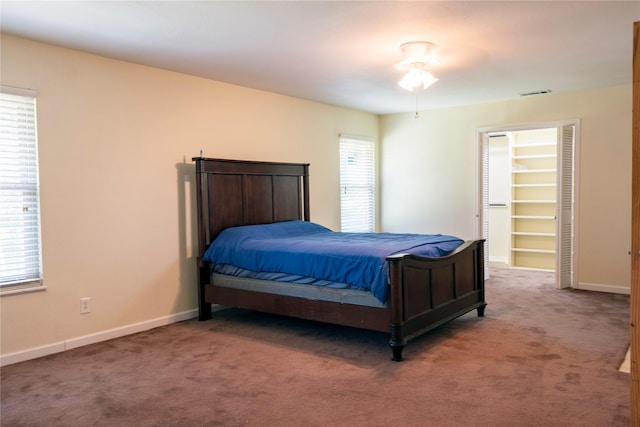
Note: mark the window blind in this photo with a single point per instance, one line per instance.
(357, 185)
(20, 248)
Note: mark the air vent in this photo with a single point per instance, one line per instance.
(536, 92)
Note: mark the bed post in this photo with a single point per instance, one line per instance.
(204, 309)
(305, 196)
(397, 341)
(480, 275)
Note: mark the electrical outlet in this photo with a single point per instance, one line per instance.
(85, 305)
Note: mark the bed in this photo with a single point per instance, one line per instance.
(421, 292)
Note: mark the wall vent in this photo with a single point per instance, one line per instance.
(536, 92)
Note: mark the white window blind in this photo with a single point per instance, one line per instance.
(20, 255)
(357, 185)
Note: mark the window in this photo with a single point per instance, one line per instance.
(20, 255)
(357, 185)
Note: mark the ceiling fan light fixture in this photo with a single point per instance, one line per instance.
(416, 52)
(416, 57)
(417, 77)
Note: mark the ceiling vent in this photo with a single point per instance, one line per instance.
(535, 92)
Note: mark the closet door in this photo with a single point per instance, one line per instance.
(564, 224)
(484, 199)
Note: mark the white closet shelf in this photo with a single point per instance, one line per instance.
(535, 171)
(535, 144)
(526, 233)
(534, 251)
(535, 156)
(534, 185)
(533, 217)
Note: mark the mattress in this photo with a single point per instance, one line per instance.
(309, 250)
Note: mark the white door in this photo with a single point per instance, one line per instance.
(483, 214)
(565, 211)
(500, 194)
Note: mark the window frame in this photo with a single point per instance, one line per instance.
(25, 179)
(364, 182)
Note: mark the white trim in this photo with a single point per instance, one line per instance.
(58, 347)
(356, 137)
(624, 290)
(19, 290)
(526, 126)
(129, 329)
(32, 353)
(498, 262)
(18, 91)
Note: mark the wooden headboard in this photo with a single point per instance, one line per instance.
(236, 192)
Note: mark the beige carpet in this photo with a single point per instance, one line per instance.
(540, 357)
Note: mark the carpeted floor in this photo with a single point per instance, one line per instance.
(540, 357)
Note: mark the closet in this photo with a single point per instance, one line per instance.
(523, 199)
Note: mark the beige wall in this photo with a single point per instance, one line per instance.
(115, 142)
(429, 170)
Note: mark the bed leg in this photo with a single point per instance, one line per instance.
(204, 311)
(481, 310)
(396, 350)
(397, 343)
(204, 308)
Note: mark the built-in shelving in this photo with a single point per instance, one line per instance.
(533, 205)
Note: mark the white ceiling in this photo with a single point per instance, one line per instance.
(343, 52)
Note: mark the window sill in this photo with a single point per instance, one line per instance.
(16, 290)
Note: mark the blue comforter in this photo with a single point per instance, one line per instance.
(309, 249)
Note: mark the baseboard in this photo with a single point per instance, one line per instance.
(498, 263)
(57, 347)
(32, 353)
(604, 288)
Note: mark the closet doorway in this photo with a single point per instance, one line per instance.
(526, 196)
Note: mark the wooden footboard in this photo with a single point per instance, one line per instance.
(427, 292)
(424, 293)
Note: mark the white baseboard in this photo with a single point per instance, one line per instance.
(603, 288)
(57, 347)
(32, 353)
(498, 263)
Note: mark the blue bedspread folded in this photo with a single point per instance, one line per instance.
(309, 249)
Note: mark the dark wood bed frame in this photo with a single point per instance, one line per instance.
(424, 293)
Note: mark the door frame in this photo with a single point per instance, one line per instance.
(481, 209)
